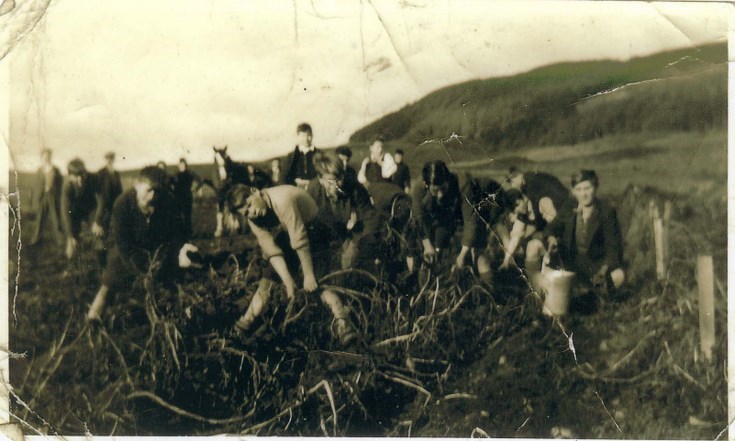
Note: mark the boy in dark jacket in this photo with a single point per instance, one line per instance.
(109, 187)
(299, 167)
(588, 237)
(446, 201)
(146, 224)
(183, 182)
(79, 198)
(344, 208)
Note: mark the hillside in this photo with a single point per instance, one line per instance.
(570, 102)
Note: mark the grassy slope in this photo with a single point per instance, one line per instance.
(552, 105)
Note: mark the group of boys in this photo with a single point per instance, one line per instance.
(327, 216)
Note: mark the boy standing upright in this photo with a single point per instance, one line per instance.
(109, 187)
(299, 169)
(47, 200)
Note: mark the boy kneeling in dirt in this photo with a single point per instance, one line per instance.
(530, 213)
(284, 221)
(448, 200)
(145, 223)
(588, 239)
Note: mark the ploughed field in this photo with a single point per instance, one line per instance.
(439, 354)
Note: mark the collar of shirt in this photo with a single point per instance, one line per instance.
(305, 150)
(585, 212)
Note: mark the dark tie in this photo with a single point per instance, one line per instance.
(581, 233)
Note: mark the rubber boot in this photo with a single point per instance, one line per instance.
(95, 311)
(533, 272)
(257, 305)
(344, 330)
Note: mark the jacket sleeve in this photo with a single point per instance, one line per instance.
(472, 220)
(421, 219)
(102, 194)
(366, 213)
(361, 177)
(288, 172)
(66, 208)
(121, 227)
(556, 228)
(613, 240)
(38, 189)
(176, 237)
(293, 221)
(389, 166)
(267, 242)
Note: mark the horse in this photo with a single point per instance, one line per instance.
(229, 173)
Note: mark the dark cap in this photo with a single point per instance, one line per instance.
(344, 150)
(110, 155)
(76, 167)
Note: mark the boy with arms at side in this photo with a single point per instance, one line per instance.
(299, 165)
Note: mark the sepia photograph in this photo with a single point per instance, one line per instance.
(385, 218)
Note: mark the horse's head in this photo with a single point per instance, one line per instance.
(220, 155)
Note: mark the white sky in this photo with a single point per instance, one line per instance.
(157, 79)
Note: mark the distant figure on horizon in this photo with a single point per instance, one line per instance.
(183, 195)
(344, 154)
(109, 187)
(169, 181)
(79, 199)
(275, 172)
(402, 176)
(47, 200)
(299, 166)
(378, 160)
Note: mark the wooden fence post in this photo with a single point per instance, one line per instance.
(665, 236)
(659, 239)
(705, 284)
